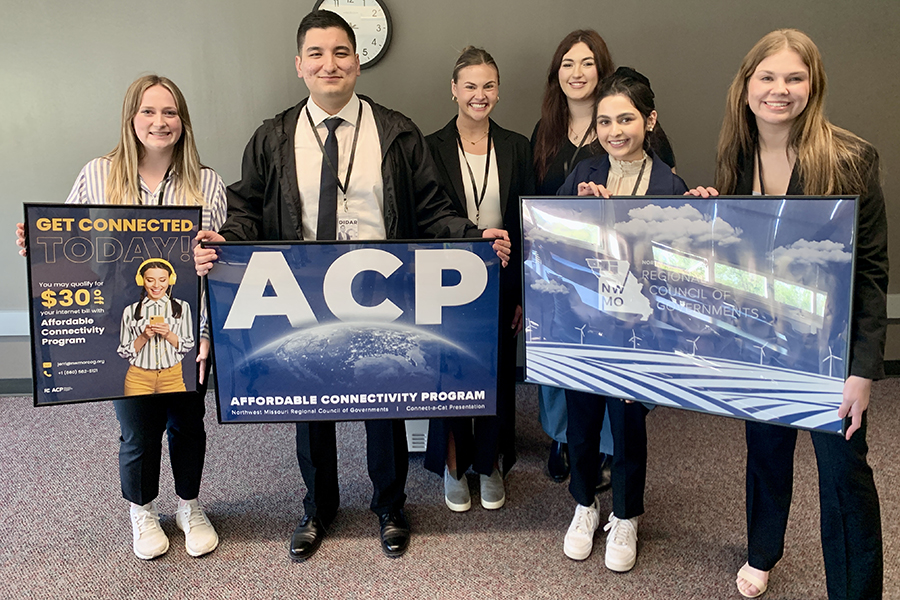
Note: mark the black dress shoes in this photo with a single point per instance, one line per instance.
(394, 533)
(306, 539)
(558, 463)
(604, 473)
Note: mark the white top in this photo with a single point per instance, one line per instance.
(623, 175)
(489, 215)
(365, 192)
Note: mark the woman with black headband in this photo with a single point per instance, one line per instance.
(626, 126)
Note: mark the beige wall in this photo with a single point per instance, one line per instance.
(66, 65)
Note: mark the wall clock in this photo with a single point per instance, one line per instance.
(371, 22)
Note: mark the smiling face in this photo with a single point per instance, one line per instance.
(328, 66)
(157, 124)
(156, 282)
(476, 89)
(578, 74)
(621, 128)
(778, 90)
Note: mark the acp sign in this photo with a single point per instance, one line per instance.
(267, 270)
(319, 331)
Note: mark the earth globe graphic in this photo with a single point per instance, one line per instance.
(356, 357)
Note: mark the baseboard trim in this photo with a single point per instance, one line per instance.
(16, 387)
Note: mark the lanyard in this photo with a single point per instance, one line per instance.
(759, 171)
(162, 189)
(343, 186)
(640, 175)
(568, 165)
(479, 198)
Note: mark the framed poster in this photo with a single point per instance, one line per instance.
(736, 306)
(114, 298)
(307, 331)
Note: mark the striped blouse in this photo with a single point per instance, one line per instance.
(90, 188)
(156, 353)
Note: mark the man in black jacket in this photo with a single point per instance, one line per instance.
(390, 189)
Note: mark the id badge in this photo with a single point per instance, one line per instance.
(348, 227)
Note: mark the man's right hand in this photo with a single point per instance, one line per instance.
(204, 257)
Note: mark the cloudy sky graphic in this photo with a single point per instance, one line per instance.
(683, 226)
(803, 252)
(550, 287)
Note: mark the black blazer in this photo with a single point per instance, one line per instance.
(516, 175)
(663, 182)
(868, 325)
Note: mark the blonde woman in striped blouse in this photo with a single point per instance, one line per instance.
(156, 163)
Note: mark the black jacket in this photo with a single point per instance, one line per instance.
(265, 203)
(663, 181)
(516, 176)
(868, 325)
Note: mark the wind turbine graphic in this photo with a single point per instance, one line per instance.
(634, 340)
(529, 329)
(762, 351)
(694, 344)
(831, 358)
(581, 329)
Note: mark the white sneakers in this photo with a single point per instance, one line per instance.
(150, 541)
(580, 536)
(199, 536)
(621, 543)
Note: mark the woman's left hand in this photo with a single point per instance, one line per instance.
(502, 246)
(202, 353)
(856, 401)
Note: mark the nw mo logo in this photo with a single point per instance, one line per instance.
(271, 270)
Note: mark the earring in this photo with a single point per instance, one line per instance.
(650, 130)
(452, 98)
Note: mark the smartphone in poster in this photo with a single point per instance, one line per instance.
(114, 302)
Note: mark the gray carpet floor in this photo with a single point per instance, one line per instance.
(65, 531)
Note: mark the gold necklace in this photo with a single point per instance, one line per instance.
(577, 138)
(484, 135)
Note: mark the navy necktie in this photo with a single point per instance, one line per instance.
(326, 227)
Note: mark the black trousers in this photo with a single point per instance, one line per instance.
(629, 466)
(387, 458)
(850, 514)
(479, 441)
(142, 422)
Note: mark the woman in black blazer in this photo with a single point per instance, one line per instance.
(776, 140)
(484, 169)
(625, 122)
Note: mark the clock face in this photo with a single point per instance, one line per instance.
(371, 22)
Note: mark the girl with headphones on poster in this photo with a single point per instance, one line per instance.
(156, 333)
(156, 164)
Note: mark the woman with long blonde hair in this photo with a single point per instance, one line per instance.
(776, 140)
(156, 163)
